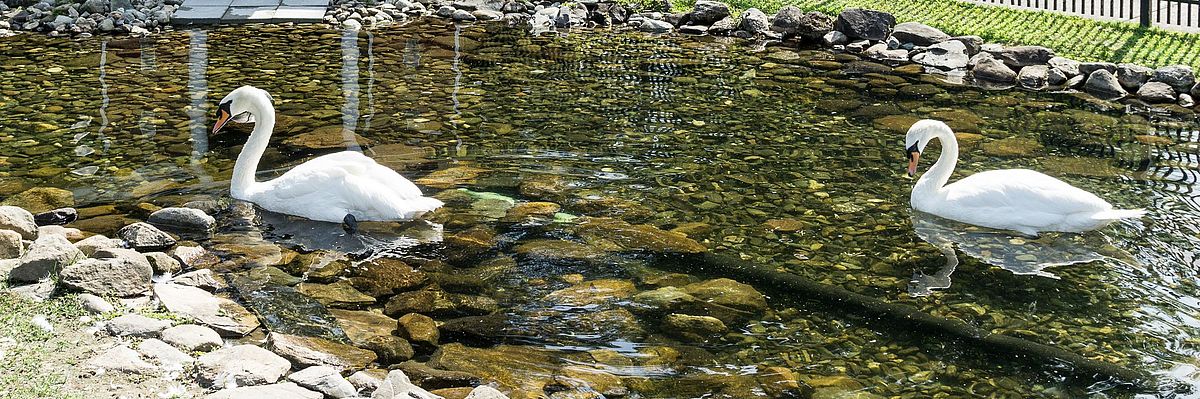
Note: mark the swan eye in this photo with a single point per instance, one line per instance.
(908, 153)
(244, 117)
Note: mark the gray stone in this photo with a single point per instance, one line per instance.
(655, 26)
(723, 27)
(239, 366)
(1180, 77)
(462, 15)
(164, 353)
(95, 304)
(37, 292)
(135, 325)
(91, 244)
(973, 44)
(1186, 100)
(194, 257)
(1196, 90)
(202, 278)
(880, 52)
(281, 390)
(19, 221)
(95, 6)
(1075, 81)
(71, 233)
(46, 257)
(1068, 67)
(192, 338)
(145, 237)
(813, 25)
(223, 315)
(117, 276)
(313, 351)
(108, 24)
(1021, 56)
(163, 263)
(182, 220)
(693, 29)
(56, 217)
(918, 33)
(865, 24)
(950, 54)
(1103, 82)
(1035, 77)
(694, 328)
(367, 380)
(835, 38)
(1157, 92)
(487, 15)
(325, 380)
(754, 21)
(858, 46)
(707, 12)
(993, 70)
(398, 386)
(121, 359)
(11, 246)
(1133, 76)
(1055, 77)
(486, 392)
(1086, 68)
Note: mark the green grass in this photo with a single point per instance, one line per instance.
(1073, 37)
(22, 368)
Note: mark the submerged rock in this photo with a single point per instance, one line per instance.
(693, 328)
(312, 351)
(418, 328)
(728, 300)
(182, 220)
(41, 199)
(386, 276)
(339, 295)
(605, 232)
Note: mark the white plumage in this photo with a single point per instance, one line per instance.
(326, 188)
(1022, 200)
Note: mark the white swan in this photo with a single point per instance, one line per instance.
(342, 187)
(1012, 199)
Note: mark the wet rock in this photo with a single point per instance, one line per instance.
(1086, 68)
(284, 310)
(707, 12)
(973, 44)
(223, 315)
(116, 277)
(880, 52)
(95, 304)
(918, 33)
(165, 354)
(522, 370)
(192, 338)
(11, 246)
(1021, 56)
(592, 293)
(1103, 82)
(18, 220)
(431, 378)
(56, 217)
(951, 54)
(41, 199)
(367, 380)
(439, 303)
(418, 329)
(655, 26)
(1035, 77)
(605, 232)
(325, 380)
(363, 325)
(194, 257)
(728, 300)
(163, 263)
(451, 177)
(1133, 76)
(1012, 147)
(121, 359)
(462, 15)
(312, 351)
(90, 245)
(386, 276)
(667, 300)
(145, 237)
(481, 330)
(46, 257)
(240, 365)
(136, 325)
(182, 220)
(329, 138)
(202, 278)
(693, 328)
(339, 295)
(1179, 77)
(1157, 93)
(994, 70)
(865, 24)
(281, 390)
(398, 386)
(754, 21)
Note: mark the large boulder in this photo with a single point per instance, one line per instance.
(41, 199)
(918, 33)
(1103, 82)
(239, 366)
(1133, 76)
(221, 314)
(1034, 77)
(116, 277)
(950, 54)
(793, 22)
(312, 351)
(182, 220)
(1068, 67)
(1157, 92)
(707, 12)
(993, 70)
(754, 21)
(18, 220)
(1020, 56)
(865, 24)
(145, 237)
(48, 255)
(1180, 77)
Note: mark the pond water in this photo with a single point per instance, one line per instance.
(785, 158)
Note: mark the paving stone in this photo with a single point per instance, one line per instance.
(206, 3)
(198, 15)
(299, 14)
(249, 14)
(306, 3)
(255, 3)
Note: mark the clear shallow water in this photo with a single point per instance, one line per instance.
(784, 158)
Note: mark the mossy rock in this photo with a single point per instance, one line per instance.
(41, 199)
(1012, 147)
(895, 123)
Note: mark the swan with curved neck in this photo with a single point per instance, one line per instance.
(345, 186)
(1022, 200)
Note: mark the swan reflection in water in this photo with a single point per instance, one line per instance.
(371, 240)
(1020, 255)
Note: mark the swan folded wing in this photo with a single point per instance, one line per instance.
(1022, 192)
(346, 181)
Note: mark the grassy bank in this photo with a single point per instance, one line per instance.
(1072, 37)
(26, 350)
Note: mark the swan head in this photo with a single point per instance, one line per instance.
(239, 106)
(918, 137)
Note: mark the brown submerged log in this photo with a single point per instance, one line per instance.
(796, 286)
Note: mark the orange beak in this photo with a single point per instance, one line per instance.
(223, 117)
(912, 163)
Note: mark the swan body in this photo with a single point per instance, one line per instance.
(1021, 200)
(327, 188)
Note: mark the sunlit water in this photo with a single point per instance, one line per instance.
(706, 136)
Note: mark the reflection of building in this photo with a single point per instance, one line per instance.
(197, 89)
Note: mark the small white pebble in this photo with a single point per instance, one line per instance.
(41, 322)
(85, 319)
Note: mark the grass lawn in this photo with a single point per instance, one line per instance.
(26, 349)
(1073, 37)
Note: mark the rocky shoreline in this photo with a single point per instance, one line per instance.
(873, 35)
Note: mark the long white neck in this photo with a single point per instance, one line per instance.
(937, 176)
(247, 161)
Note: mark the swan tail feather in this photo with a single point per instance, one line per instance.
(1114, 214)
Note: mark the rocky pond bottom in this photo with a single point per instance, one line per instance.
(574, 168)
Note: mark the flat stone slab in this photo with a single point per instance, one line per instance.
(249, 15)
(186, 15)
(211, 12)
(323, 4)
(299, 14)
